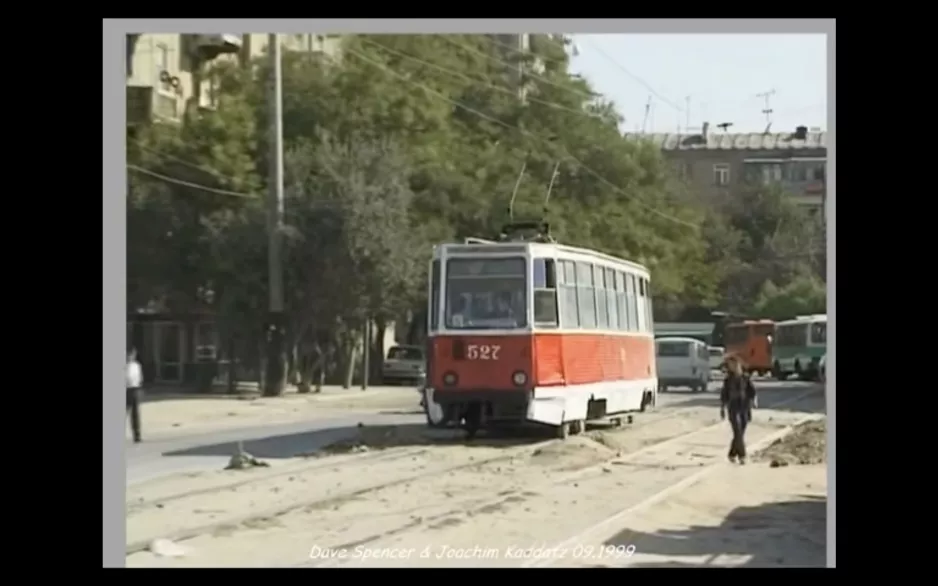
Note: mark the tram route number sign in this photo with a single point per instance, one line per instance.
(482, 351)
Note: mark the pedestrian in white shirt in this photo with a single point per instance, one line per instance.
(134, 383)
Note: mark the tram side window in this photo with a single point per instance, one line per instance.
(611, 299)
(650, 308)
(602, 311)
(435, 296)
(621, 303)
(570, 314)
(585, 295)
(631, 302)
(640, 304)
(545, 293)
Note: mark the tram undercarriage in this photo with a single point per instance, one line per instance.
(474, 411)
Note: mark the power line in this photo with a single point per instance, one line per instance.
(580, 93)
(189, 184)
(635, 77)
(479, 82)
(524, 132)
(381, 66)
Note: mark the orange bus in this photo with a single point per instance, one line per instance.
(751, 340)
(537, 332)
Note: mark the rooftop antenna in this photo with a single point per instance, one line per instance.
(767, 110)
(514, 193)
(647, 112)
(724, 125)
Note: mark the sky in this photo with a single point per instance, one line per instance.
(722, 74)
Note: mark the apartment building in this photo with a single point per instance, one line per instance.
(165, 71)
(715, 163)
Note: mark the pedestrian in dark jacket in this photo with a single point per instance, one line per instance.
(737, 399)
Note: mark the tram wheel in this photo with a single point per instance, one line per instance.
(562, 431)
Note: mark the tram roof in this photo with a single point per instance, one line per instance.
(532, 248)
(804, 319)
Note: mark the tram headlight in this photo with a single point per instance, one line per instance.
(519, 378)
(450, 378)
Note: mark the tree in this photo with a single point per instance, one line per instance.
(355, 255)
(762, 236)
(803, 296)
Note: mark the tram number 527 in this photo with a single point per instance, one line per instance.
(482, 351)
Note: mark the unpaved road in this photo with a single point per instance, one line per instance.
(437, 494)
(760, 515)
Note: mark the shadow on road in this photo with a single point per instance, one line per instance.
(783, 534)
(769, 398)
(350, 439)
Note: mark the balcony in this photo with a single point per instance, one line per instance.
(211, 46)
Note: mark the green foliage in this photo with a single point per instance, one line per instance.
(803, 296)
(758, 238)
(410, 140)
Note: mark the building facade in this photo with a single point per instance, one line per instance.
(165, 71)
(717, 163)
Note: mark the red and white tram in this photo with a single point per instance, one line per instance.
(537, 331)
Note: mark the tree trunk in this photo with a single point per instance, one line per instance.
(352, 355)
(232, 366)
(293, 367)
(378, 351)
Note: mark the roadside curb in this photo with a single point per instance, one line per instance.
(666, 493)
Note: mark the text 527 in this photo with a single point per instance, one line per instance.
(482, 351)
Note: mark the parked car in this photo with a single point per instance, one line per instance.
(404, 364)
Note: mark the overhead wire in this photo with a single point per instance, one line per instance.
(494, 120)
(198, 186)
(489, 56)
(633, 76)
(448, 71)
(437, 94)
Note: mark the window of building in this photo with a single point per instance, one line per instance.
(162, 58)
(721, 174)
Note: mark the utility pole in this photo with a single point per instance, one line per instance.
(687, 113)
(647, 113)
(275, 381)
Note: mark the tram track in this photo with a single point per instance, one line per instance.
(323, 462)
(328, 461)
(644, 424)
(492, 500)
(332, 464)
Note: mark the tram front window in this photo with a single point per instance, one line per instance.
(485, 294)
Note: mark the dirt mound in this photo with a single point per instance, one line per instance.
(573, 453)
(807, 444)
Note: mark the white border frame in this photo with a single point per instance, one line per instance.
(115, 180)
